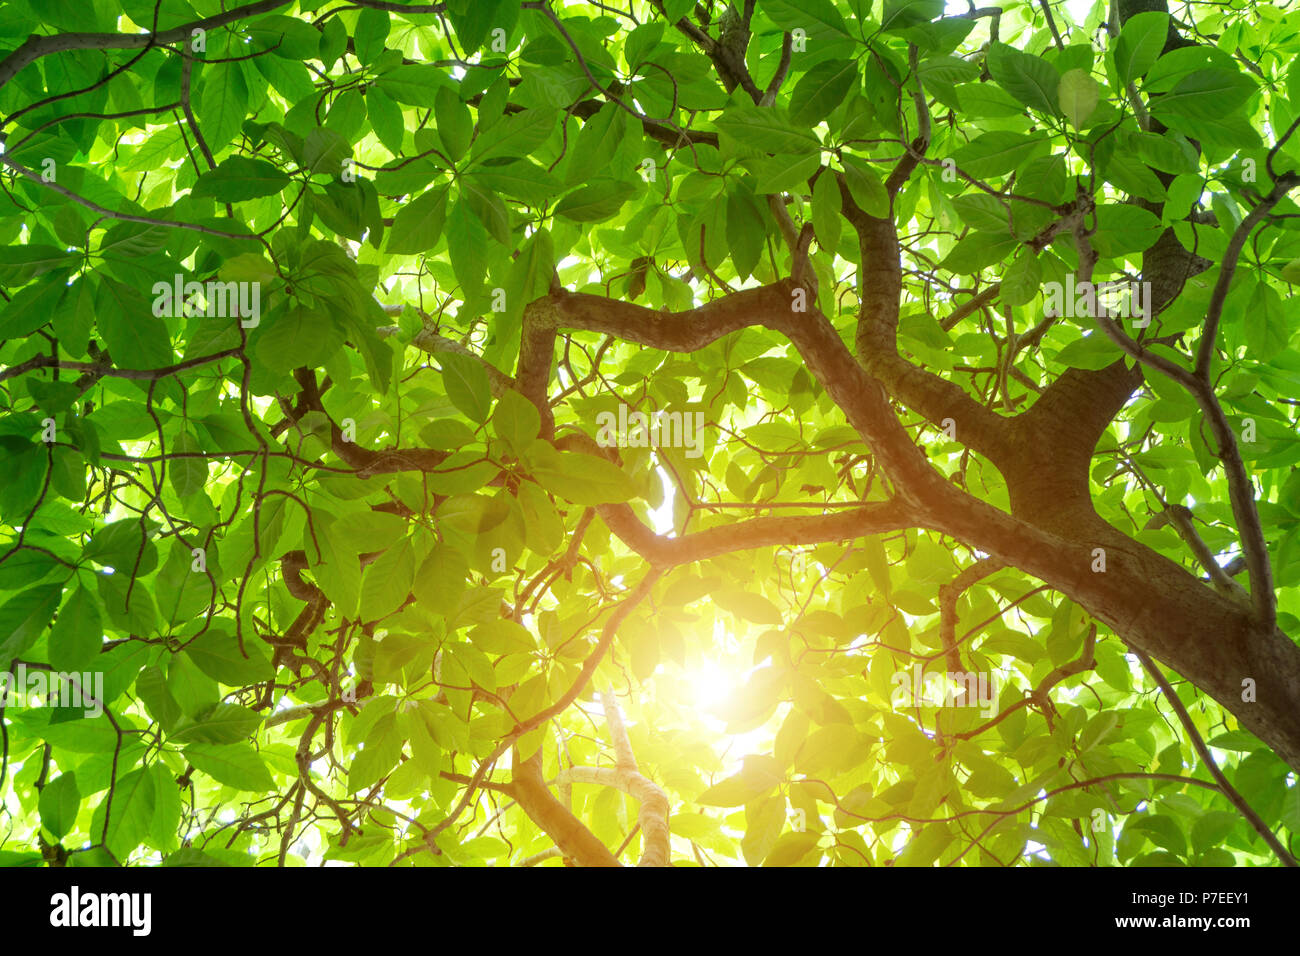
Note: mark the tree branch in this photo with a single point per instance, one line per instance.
(1207, 758)
(36, 47)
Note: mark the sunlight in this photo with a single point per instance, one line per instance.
(711, 684)
(661, 518)
(648, 557)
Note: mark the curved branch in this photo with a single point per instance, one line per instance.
(665, 552)
(1207, 758)
(427, 340)
(571, 836)
(36, 47)
(653, 815)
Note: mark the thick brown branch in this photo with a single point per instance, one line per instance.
(365, 461)
(572, 838)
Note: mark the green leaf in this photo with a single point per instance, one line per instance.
(290, 78)
(238, 178)
(599, 199)
(995, 153)
(235, 765)
(801, 14)
(135, 338)
(866, 187)
(455, 126)
(733, 792)
(415, 84)
(473, 20)
(821, 90)
(134, 800)
(73, 315)
(23, 618)
(791, 848)
(299, 337)
(1205, 95)
(288, 37)
(324, 150)
(826, 212)
(516, 135)
(765, 820)
(902, 14)
(1171, 153)
(502, 637)
(60, 800)
(523, 180)
(467, 384)
(370, 33)
(1078, 94)
(1139, 44)
(466, 248)
(1290, 814)
(1211, 829)
(580, 478)
(440, 581)
(33, 259)
(983, 212)
(748, 605)
(188, 856)
(768, 130)
(124, 546)
(776, 174)
(365, 531)
(217, 654)
(530, 276)
(1093, 352)
(1224, 131)
(151, 687)
(1022, 280)
(166, 819)
(976, 252)
(1030, 79)
(77, 636)
(223, 101)
(220, 724)
(187, 475)
(1133, 177)
(489, 208)
(333, 41)
(1267, 331)
(746, 231)
(380, 753)
(516, 420)
(387, 582)
(1162, 830)
(30, 308)
(1123, 228)
(446, 434)
(386, 119)
(418, 224)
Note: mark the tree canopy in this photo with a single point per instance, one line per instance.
(792, 432)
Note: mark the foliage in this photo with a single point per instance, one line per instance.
(345, 553)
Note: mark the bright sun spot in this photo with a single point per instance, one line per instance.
(711, 685)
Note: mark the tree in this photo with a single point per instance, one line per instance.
(417, 416)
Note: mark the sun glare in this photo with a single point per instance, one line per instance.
(711, 684)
